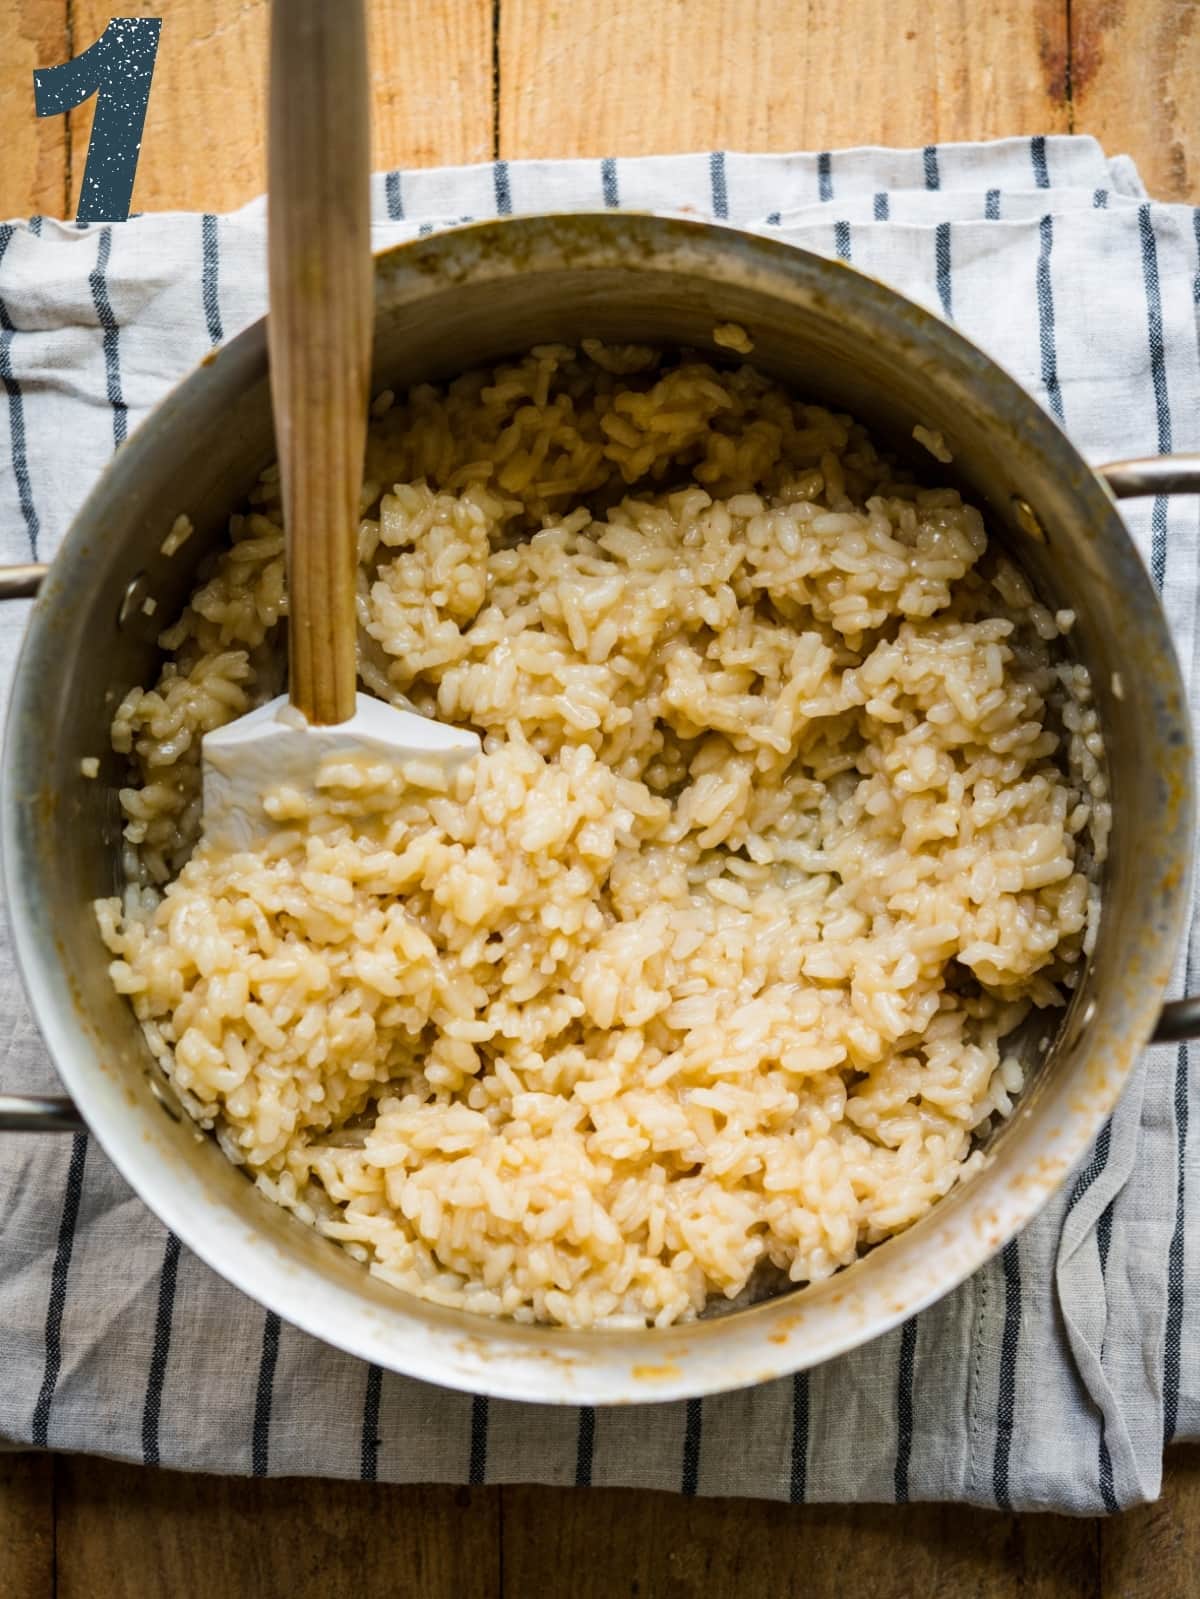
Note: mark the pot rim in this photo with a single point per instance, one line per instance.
(464, 1350)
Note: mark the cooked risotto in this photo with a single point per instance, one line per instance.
(700, 975)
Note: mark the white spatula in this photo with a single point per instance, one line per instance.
(319, 337)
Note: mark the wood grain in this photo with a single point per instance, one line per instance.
(204, 143)
(33, 172)
(620, 1542)
(431, 75)
(1135, 84)
(126, 1533)
(633, 77)
(26, 1526)
(322, 305)
(1154, 1552)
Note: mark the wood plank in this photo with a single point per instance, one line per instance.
(632, 78)
(26, 1526)
(623, 1542)
(126, 1533)
(1154, 1552)
(432, 78)
(204, 143)
(1135, 84)
(33, 174)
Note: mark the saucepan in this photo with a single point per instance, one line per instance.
(471, 297)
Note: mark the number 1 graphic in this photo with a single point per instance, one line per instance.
(118, 69)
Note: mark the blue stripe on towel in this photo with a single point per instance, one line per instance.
(798, 1488)
(1158, 374)
(1045, 304)
(369, 1453)
(692, 1437)
(1006, 1397)
(16, 415)
(904, 1409)
(477, 1457)
(59, 1273)
(160, 1353)
(260, 1438)
(825, 175)
(98, 283)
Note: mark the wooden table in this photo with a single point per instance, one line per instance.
(468, 80)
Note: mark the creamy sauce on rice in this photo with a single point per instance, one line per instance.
(703, 969)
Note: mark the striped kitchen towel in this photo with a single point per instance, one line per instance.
(1055, 1376)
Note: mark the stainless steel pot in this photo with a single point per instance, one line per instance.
(467, 298)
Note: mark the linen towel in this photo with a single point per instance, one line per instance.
(1053, 1378)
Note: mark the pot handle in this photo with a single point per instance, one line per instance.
(21, 582)
(39, 1113)
(32, 1113)
(1161, 474)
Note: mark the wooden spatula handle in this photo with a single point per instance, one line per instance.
(319, 330)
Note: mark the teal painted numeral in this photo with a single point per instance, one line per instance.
(117, 69)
